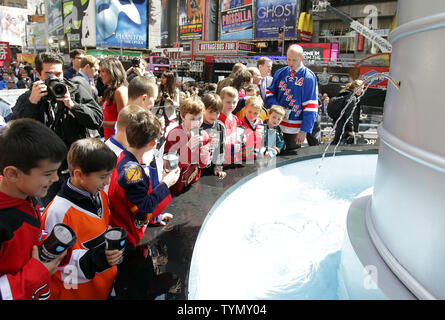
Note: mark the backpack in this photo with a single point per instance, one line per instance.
(336, 105)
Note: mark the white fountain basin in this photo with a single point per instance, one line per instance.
(279, 235)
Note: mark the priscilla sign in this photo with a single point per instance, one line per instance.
(236, 20)
(273, 14)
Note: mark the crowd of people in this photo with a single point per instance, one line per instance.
(90, 147)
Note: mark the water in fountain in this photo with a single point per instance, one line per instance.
(370, 79)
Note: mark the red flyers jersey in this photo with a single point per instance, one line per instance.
(190, 162)
(21, 276)
(230, 123)
(70, 282)
(132, 197)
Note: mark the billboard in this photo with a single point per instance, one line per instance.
(36, 7)
(190, 18)
(73, 11)
(12, 24)
(154, 23)
(5, 54)
(236, 20)
(222, 47)
(54, 18)
(273, 14)
(88, 34)
(306, 27)
(36, 36)
(79, 22)
(316, 52)
(164, 22)
(121, 24)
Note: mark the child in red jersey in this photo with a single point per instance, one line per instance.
(134, 204)
(191, 144)
(82, 205)
(30, 155)
(252, 122)
(229, 97)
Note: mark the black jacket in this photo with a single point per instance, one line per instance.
(345, 96)
(69, 124)
(70, 73)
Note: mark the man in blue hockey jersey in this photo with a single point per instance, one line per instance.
(295, 89)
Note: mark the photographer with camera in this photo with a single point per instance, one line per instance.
(138, 68)
(167, 103)
(61, 105)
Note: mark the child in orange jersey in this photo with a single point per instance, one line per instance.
(83, 205)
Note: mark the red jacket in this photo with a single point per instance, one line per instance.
(21, 276)
(189, 163)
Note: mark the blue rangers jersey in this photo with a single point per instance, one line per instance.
(297, 93)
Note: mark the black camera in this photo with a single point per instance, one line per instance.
(55, 86)
(136, 62)
(165, 94)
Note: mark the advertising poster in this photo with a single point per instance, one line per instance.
(154, 23)
(73, 11)
(236, 20)
(26, 57)
(88, 34)
(121, 23)
(190, 17)
(54, 18)
(36, 7)
(273, 14)
(314, 52)
(35, 36)
(5, 54)
(12, 24)
(164, 22)
(79, 22)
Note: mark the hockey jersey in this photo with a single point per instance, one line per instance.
(253, 138)
(132, 198)
(230, 122)
(190, 162)
(217, 148)
(87, 276)
(297, 93)
(21, 276)
(115, 145)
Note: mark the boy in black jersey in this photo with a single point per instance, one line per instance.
(30, 155)
(217, 133)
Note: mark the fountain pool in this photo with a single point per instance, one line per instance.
(279, 235)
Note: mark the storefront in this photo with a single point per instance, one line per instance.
(215, 59)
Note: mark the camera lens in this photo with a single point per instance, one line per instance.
(55, 86)
(59, 90)
(136, 62)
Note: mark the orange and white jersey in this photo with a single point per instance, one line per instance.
(87, 276)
